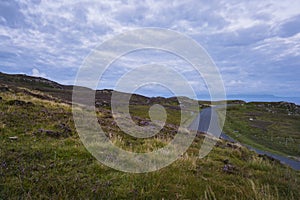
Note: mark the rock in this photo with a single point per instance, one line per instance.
(102, 103)
(30, 103)
(13, 138)
(16, 103)
(266, 157)
(234, 145)
(50, 133)
(66, 129)
(143, 123)
(4, 89)
(238, 102)
(226, 161)
(19, 103)
(229, 168)
(291, 108)
(53, 133)
(39, 132)
(4, 165)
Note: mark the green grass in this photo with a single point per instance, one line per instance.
(40, 166)
(270, 129)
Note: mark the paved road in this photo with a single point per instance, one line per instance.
(207, 121)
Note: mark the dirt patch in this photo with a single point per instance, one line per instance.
(260, 124)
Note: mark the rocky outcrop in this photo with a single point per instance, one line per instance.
(275, 107)
(62, 130)
(4, 89)
(290, 107)
(19, 103)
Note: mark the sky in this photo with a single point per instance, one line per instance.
(255, 44)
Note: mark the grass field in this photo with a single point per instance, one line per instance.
(42, 157)
(267, 126)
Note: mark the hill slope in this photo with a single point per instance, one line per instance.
(42, 156)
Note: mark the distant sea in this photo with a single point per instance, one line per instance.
(259, 98)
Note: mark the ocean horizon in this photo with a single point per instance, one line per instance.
(270, 98)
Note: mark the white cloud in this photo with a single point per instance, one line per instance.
(37, 73)
(244, 37)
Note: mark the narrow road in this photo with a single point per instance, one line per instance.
(208, 122)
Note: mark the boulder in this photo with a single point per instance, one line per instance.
(234, 145)
(50, 133)
(19, 103)
(13, 138)
(229, 168)
(226, 161)
(4, 89)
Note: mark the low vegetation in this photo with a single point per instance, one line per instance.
(42, 157)
(268, 126)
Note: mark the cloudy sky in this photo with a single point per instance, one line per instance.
(255, 44)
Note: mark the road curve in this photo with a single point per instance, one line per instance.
(208, 122)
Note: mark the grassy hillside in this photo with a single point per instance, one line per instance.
(54, 91)
(42, 157)
(268, 126)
